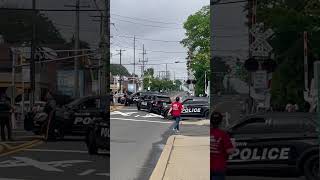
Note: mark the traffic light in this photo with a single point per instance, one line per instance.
(251, 65)
(269, 65)
(188, 81)
(194, 81)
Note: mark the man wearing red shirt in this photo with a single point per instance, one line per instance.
(220, 148)
(176, 110)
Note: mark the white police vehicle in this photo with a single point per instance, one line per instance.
(275, 144)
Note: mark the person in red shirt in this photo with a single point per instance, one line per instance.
(220, 147)
(176, 110)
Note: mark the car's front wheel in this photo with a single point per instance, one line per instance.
(150, 109)
(311, 168)
(206, 114)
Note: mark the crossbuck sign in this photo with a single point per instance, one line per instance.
(260, 47)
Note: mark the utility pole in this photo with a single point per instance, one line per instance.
(120, 53)
(134, 63)
(33, 47)
(143, 61)
(105, 47)
(76, 47)
(167, 71)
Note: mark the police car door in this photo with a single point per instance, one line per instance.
(87, 113)
(191, 108)
(253, 151)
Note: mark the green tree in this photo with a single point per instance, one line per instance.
(149, 72)
(197, 42)
(117, 69)
(289, 19)
(16, 27)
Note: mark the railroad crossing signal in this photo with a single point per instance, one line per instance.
(260, 47)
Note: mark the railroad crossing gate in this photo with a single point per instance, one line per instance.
(260, 47)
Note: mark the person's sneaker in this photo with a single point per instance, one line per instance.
(177, 131)
(174, 129)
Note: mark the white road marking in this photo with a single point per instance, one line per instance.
(103, 174)
(46, 166)
(89, 171)
(140, 120)
(137, 115)
(39, 165)
(57, 150)
(151, 115)
(122, 113)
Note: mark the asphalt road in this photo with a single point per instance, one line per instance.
(137, 139)
(63, 160)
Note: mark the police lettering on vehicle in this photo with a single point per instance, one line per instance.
(83, 120)
(105, 132)
(191, 110)
(250, 154)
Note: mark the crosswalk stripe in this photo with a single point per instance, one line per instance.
(140, 120)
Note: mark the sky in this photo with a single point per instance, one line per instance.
(166, 18)
(229, 21)
(151, 19)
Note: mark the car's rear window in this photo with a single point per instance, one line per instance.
(165, 99)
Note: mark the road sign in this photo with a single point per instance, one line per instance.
(260, 79)
(260, 47)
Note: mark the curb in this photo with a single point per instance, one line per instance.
(160, 169)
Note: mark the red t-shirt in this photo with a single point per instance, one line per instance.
(176, 109)
(219, 143)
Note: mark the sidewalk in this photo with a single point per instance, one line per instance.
(184, 158)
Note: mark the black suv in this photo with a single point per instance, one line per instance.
(154, 103)
(275, 144)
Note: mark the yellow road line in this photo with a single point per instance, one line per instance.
(23, 147)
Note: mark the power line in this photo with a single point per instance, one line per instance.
(57, 10)
(142, 24)
(147, 20)
(230, 2)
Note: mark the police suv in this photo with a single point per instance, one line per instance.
(193, 107)
(275, 144)
(154, 103)
(74, 118)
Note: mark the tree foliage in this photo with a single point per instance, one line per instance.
(16, 27)
(289, 19)
(117, 69)
(157, 84)
(197, 42)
